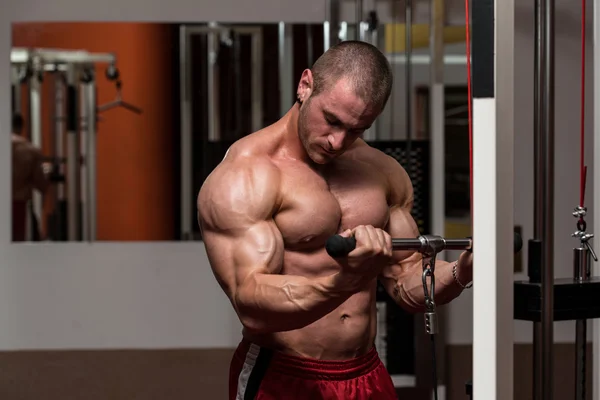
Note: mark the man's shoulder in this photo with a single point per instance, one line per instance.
(244, 171)
(380, 160)
(399, 185)
(247, 156)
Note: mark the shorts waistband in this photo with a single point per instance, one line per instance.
(307, 368)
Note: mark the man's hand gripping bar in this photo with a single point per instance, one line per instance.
(428, 245)
(339, 246)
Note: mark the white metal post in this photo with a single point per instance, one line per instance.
(493, 215)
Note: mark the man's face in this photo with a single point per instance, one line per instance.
(330, 122)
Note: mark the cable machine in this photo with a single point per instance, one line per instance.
(71, 75)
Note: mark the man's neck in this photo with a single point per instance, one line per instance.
(291, 145)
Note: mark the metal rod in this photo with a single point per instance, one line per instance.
(286, 66)
(58, 56)
(547, 201)
(436, 115)
(538, 194)
(257, 81)
(73, 161)
(214, 128)
(360, 33)
(186, 175)
(91, 161)
(420, 243)
(408, 76)
(331, 26)
(238, 128)
(35, 136)
(58, 143)
(84, 165)
(581, 273)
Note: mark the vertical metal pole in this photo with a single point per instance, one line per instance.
(214, 128)
(408, 76)
(437, 133)
(596, 190)
(360, 32)
(185, 99)
(59, 139)
(35, 130)
(581, 273)
(83, 165)
(73, 160)
(437, 115)
(538, 162)
(286, 70)
(332, 24)
(257, 81)
(547, 202)
(91, 160)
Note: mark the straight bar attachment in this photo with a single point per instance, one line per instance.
(338, 246)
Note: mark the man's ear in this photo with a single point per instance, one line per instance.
(305, 86)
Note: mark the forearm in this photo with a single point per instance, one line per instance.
(409, 293)
(274, 303)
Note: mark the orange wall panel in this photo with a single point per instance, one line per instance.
(134, 152)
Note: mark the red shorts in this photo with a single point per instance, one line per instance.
(259, 373)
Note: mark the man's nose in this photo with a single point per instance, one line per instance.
(336, 140)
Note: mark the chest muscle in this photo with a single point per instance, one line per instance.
(317, 206)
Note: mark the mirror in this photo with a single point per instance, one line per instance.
(116, 125)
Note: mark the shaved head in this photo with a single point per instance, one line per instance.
(363, 65)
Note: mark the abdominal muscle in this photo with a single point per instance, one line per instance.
(347, 332)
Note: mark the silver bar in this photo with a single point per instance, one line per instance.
(214, 128)
(35, 136)
(286, 67)
(53, 56)
(581, 273)
(425, 59)
(185, 67)
(257, 81)
(343, 31)
(59, 130)
(538, 193)
(436, 115)
(91, 162)
(331, 35)
(408, 75)
(73, 160)
(360, 32)
(326, 35)
(546, 175)
(84, 165)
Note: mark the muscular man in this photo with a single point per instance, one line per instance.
(27, 175)
(266, 212)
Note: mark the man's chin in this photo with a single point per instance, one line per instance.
(321, 158)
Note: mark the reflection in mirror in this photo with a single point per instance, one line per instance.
(117, 125)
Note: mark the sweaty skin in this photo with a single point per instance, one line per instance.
(268, 208)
